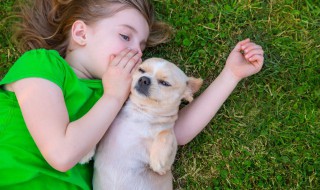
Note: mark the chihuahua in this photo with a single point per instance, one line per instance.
(139, 148)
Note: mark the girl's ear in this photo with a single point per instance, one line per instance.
(193, 85)
(79, 32)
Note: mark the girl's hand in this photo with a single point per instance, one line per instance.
(118, 76)
(245, 59)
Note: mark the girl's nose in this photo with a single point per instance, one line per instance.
(136, 47)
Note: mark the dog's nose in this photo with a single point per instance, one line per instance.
(144, 81)
(143, 86)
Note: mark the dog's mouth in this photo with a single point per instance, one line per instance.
(143, 86)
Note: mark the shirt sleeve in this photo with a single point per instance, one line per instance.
(38, 63)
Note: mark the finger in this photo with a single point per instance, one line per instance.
(119, 57)
(111, 58)
(250, 46)
(125, 59)
(241, 43)
(133, 62)
(256, 60)
(136, 67)
(252, 52)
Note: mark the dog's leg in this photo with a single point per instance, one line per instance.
(163, 151)
(88, 157)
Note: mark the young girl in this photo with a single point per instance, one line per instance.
(61, 95)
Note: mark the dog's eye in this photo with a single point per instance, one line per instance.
(164, 83)
(141, 70)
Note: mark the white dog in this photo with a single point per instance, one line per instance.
(139, 148)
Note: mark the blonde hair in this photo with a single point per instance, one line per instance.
(46, 23)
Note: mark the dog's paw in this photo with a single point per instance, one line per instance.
(158, 167)
(162, 152)
(87, 157)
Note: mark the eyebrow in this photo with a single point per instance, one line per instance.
(130, 27)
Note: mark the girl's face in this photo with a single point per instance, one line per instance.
(107, 37)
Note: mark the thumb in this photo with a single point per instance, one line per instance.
(112, 57)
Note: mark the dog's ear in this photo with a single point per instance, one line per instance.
(193, 85)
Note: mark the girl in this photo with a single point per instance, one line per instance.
(61, 95)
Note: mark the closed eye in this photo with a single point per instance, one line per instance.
(164, 83)
(125, 37)
(141, 70)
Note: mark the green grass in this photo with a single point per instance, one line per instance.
(8, 54)
(267, 134)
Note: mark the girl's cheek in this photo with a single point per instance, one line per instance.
(119, 47)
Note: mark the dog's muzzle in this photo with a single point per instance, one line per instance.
(143, 85)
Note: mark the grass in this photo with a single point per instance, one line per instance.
(267, 134)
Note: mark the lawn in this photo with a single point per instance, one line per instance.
(267, 134)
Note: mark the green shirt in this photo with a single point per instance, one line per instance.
(21, 164)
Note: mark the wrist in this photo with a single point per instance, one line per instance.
(229, 76)
(119, 101)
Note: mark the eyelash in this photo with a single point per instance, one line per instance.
(125, 37)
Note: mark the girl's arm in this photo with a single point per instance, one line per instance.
(61, 142)
(244, 60)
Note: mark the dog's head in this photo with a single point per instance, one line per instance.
(160, 84)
